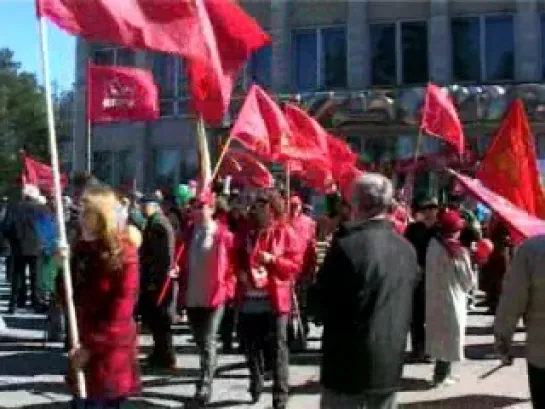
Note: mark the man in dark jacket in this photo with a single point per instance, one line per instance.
(156, 257)
(365, 287)
(20, 228)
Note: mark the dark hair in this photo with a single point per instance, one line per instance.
(83, 180)
(276, 202)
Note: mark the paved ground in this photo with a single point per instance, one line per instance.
(31, 374)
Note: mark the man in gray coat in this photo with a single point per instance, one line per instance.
(365, 289)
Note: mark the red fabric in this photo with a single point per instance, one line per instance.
(39, 174)
(105, 302)
(450, 222)
(308, 141)
(215, 37)
(283, 244)
(341, 156)
(223, 274)
(400, 219)
(305, 227)
(120, 93)
(246, 170)
(230, 37)
(523, 225)
(440, 118)
(260, 125)
(346, 179)
(509, 167)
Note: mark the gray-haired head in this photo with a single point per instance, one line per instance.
(372, 194)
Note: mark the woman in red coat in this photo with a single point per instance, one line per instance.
(105, 269)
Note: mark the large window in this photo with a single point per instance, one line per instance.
(116, 168)
(543, 46)
(169, 75)
(319, 58)
(466, 49)
(383, 54)
(113, 56)
(500, 47)
(399, 53)
(172, 168)
(260, 67)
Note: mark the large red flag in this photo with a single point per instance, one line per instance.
(246, 169)
(509, 167)
(215, 36)
(260, 124)
(440, 119)
(341, 156)
(231, 36)
(119, 93)
(307, 141)
(39, 174)
(520, 221)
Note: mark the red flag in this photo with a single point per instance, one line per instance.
(509, 167)
(519, 220)
(260, 124)
(308, 141)
(346, 180)
(246, 170)
(231, 36)
(39, 174)
(340, 155)
(118, 93)
(215, 37)
(440, 119)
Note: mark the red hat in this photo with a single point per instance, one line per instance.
(450, 222)
(206, 197)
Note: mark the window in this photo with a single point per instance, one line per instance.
(399, 53)
(260, 67)
(113, 56)
(500, 46)
(319, 57)
(171, 168)
(414, 45)
(466, 49)
(543, 46)
(116, 168)
(169, 75)
(383, 54)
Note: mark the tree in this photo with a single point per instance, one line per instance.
(23, 119)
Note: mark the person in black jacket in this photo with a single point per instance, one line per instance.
(20, 227)
(365, 288)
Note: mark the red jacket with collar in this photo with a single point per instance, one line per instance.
(282, 243)
(223, 276)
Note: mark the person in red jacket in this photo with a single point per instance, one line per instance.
(206, 284)
(105, 269)
(267, 261)
(305, 228)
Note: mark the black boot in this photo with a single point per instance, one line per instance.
(256, 388)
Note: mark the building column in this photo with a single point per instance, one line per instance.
(439, 43)
(527, 41)
(80, 128)
(358, 45)
(281, 37)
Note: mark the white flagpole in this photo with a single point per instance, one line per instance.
(206, 164)
(63, 243)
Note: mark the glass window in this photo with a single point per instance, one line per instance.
(383, 54)
(543, 46)
(125, 57)
(104, 56)
(305, 58)
(189, 165)
(500, 45)
(164, 71)
(333, 57)
(414, 46)
(102, 166)
(466, 49)
(260, 66)
(124, 168)
(166, 162)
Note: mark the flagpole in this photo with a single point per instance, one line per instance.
(288, 186)
(63, 243)
(206, 167)
(88, 129)
(222, 156)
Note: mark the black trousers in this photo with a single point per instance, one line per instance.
(8, 264)
(158, 320)
(227, 327)
(418, 323)
(536, 378)
(263, 334)
(18, 281)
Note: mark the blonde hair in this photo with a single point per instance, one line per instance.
(99, 215)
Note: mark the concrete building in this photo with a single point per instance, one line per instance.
(360, 66)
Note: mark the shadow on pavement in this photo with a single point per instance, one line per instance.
(468, 401)
(35, 363)
(488, 351)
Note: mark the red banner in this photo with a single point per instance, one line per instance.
(40, 175)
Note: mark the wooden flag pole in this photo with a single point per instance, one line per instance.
(222, 156)
(63, 242)
(204, 153)
(88, 129)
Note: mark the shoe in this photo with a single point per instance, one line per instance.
(203, 396)
(256, 389)
(449, 381)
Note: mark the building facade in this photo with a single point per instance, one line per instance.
(359, 66)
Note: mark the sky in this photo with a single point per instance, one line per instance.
(19, 32)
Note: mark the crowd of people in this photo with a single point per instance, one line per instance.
(248, 266)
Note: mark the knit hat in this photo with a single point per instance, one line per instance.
(450, 222)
